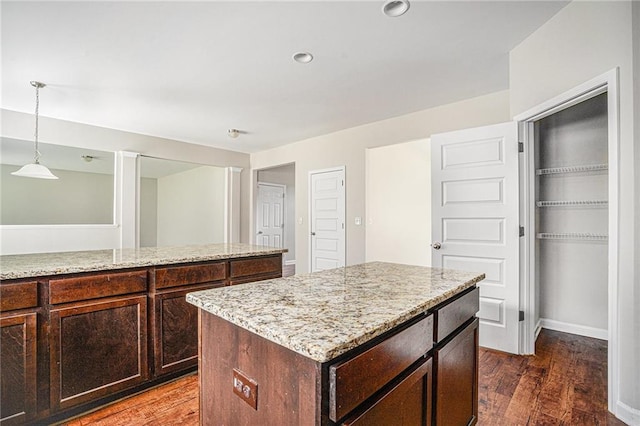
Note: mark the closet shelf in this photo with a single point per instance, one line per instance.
(572, 236)
(573, 203)
(572, 169)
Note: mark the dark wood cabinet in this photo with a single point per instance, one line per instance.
(175, 329)
(18, 373)
(97, 348)
(408, 403)
(72, 341)
(411, 375)
(456, 369)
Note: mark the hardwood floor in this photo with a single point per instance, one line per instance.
(564, 384)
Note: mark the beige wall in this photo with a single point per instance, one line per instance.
(74, 198)
(191, 207)
(348, 147)
(584, 40)
(398, 225)
(148, 212)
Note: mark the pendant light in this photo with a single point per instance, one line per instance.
(35, 169)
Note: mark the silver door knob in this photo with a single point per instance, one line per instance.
(313, 234)
(436, 245)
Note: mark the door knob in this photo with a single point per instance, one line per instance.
(259, 232)
(436, 245)
(313, 234)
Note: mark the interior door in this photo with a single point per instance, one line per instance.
(270, 217)
(475, 224)
(327, 219)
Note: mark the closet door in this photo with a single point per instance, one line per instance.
(475, 226)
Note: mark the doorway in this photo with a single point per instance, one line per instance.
(327, 219)
(282, 176)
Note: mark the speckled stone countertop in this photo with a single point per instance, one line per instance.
(42, 264)
(324, 314)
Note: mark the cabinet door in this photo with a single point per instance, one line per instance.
(406, 404)
(456, 372)
(97, 348)
(18, 372)
(175, 330)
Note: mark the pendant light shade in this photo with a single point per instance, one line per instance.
(35, 169)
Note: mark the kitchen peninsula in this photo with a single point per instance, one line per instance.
(79, 329)
(371, 344)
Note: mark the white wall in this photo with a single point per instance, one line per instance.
(584, 40)
(59, 132)
(398, 225)
(148, 212)
(347, 148)
(285, 175)
(191, 207)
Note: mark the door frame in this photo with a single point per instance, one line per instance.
(310, 204)
(284, 207)
(607, 82)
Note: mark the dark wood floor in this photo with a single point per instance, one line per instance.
(564, 384)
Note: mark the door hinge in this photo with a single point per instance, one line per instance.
(521, 231)
(521, 316)
(342, 181)
(520, 146)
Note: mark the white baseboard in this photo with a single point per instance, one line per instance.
(289, 262)
(538, 329)
(581, 330)
(630, 416)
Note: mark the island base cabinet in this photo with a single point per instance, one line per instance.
(456, 372)
(406, 404)
(18, 371)
(97, 348)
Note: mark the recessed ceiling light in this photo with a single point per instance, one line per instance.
(303, 57)
(395, 8)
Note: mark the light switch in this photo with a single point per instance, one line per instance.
(358, 220)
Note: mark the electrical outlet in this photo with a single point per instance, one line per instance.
(246, 388)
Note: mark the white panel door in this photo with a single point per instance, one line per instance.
(270, 215)
(327, 219)
(475, 221)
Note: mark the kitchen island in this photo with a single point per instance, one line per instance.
(79, 329)
(370, 344)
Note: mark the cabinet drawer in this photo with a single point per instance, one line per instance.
(175, 276)
(256, 266)
(354, 380)
(18, 296)
(95, 286)
(454, 314)
(408, 403)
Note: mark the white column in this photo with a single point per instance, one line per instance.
(126, 197)
(232, 205)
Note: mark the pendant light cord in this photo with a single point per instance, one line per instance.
(37, 153)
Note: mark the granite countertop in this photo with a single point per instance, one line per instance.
(324, 314)
(42, 264)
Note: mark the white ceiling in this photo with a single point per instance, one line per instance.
(191, 70)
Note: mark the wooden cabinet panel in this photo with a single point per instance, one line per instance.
(97, 349)
(175, 330)
(175, 276)
(456, 313)
(407, 404)
(456, 370)
(18, 372)
(95, 286)
(20, 295)
(356, 379)
(268, 265)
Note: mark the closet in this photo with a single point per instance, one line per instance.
(570, 212)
